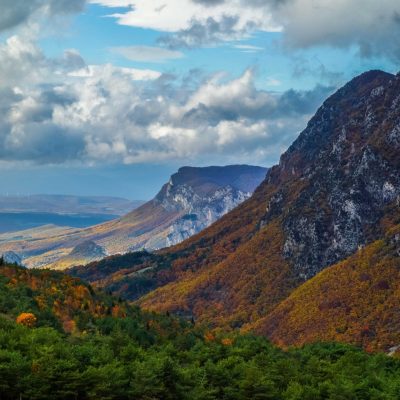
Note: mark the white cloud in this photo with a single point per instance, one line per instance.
(147, 53)
(133, 73)
(176, 15)
(247, 48)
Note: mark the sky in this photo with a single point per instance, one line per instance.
(110, 97)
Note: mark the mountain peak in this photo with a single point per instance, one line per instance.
(371, 76)
(346, 124)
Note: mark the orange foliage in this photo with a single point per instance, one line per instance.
(209, 337)
(27, 319)
(63, 295)
(236, 291)
(69, 326)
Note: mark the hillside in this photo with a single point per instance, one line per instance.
(54, 299)
(355, 301)
(192, 200)
(334, 190)
(59, 339)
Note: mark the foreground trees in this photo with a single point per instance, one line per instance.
(60, 339)
(115, 362)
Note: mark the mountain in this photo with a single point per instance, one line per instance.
(191, 200)
(335, 190)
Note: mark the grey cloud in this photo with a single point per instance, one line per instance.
(70, 61)
(204, 33)
(66, 6)
(43, 143)
(290, 104)
(15, 12)
(367, 24)
(296, 102)
(370, 25)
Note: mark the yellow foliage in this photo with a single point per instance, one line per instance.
(355, 301)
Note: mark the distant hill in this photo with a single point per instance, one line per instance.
(193, 199)
(64, 204)
(19, 213)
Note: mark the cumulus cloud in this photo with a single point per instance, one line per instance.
(61, 110)
(99, 114)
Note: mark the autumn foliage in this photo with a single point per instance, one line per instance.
(356, 301)
(26, 319)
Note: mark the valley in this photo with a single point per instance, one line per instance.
(193, 199)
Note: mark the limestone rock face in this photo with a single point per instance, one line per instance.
(204, 195)
(347, 165)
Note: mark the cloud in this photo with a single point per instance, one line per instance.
(106, 114)
(61, 110)
(132, 73)
(210, 31)
(248, 48)
(372, 26)
(16, 12)
(209, 2)
(216, 20)
(367, 24)
(147, 54)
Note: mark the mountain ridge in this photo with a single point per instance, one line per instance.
(336, 189)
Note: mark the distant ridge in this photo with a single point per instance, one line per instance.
(193, 199)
